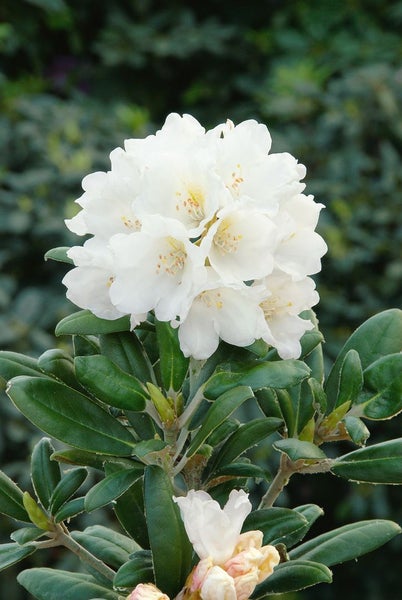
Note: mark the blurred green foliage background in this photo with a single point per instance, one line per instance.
(77, 77)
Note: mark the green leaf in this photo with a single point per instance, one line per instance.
(24, 535)
(277, 524)
(380, 463)
(382, 397)
(69, 416)
(138, 569)
(59, 364)
(106, 381)
(70, 509)
(111, 547)
(113, 486)
(243, 438)
(67, 486)
(356, 429)
(292, 576)
(11, 499)
(166, 531)
(173, 363)
(126, 350)
(241, 469)
(59, 254)
(13, 364)
(129, 509)
(350, 378)
(299, 450)
(257, 375)
(220, 410)
(378, 336)
(12, 553)
(310, 512)
(347, 542)
(84, 322)
(53, 584)
(45, 473)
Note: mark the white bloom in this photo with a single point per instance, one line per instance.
(284, 301)
(88, 285)
(156, 269)
(220, 311)
(240, 244)
(213, 531)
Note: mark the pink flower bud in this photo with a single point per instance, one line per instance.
(147, 591)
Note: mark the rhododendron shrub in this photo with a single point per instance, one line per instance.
(195, 385)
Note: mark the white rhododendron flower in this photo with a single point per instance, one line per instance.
(208, 230)
(232, 563)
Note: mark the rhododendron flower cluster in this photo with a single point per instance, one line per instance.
(232, 563)
(208, 230)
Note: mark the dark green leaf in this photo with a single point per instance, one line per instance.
(113, 486)
(70, 509)
(84, 322)
(257, 375)
(53, 584)
(143, 425)
(356, 429)
(106, 381)
(126, 350)
(173, 363)
(350, 378)
(310, 512)
(166, 531)
(59, 254)
(67, 486)
(12, 553)
(298, 450)
(137, 570)
(69, 416)
(243, 438)
(380, 463)
(11, 499)
(45, 473)
(13, 364)
(378, 336)
(242, 470)
(293, 576)
(129, 509)
(59, 364)
(220, 410)
(382, 397)
(111, 547)
(347, 542)
(277, 524)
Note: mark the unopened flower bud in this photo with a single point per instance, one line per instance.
(147, 591)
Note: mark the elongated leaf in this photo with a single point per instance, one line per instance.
(24, 535)
(45, 473)
(173, 363)
(12, 553)
(310, 512)
(293, 576)
(221, 409)
(347, 542)
(69, 416)
(67, 486)
(111, 547)
(59, 254)
(166, 531)
(380, 463)
(299, 450)
(241, 470)
(243, 438)
(137, 570)
(70, 509)
(129, 509)
(84, 322)
(126, 350)
(378, 336)
(58, 363)
(356, 429)
(277, 524)
(13, 364)
(350, 378)
(257, 375)
(53, 584)
(11, 499)
(110, 488)
(382, 398)
(105, 380)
